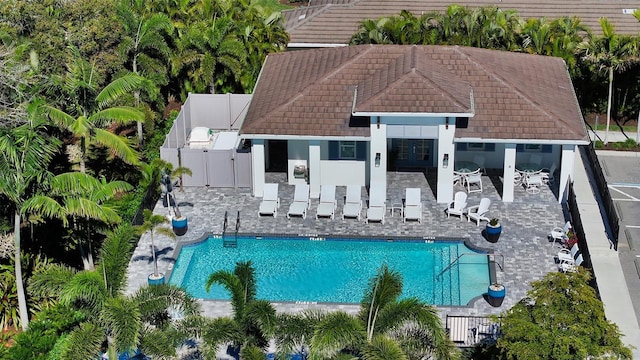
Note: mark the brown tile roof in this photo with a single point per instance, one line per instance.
(516, 96)
(335, 21)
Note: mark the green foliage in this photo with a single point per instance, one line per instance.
(44, 333)
(114, 257)
(561, 318)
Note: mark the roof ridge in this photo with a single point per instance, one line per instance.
(330, 74)
(449, 94)
(501, 80)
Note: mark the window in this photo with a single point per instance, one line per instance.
(532, 147)
(347, 150)
(475, 146)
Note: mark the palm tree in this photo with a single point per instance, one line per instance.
(152, 224)
(254, 320)
(146, 48)
(91, 115)
(155, 319)
(609, 53)
(386, 328)
(77, 199)
(25, 153)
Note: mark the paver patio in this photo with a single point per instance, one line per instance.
(528, 255)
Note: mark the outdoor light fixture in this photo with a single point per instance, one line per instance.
(377, 161)
(446, 126)
(445, 161)
(378, 122)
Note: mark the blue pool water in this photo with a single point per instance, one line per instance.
(336, 270)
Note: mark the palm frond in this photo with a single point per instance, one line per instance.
(45, 206)
(86, 289)
(114, 90)
(382, 348)
(263, 315)
(252, 352)
(122, 318)
(87, 209)
(58, 117)
(121, 115)
(114, 257)
(83, 343)
(120, 146)
(158, 299)
(335, 332)
(219, 331)
(233, 285)
(50, 280)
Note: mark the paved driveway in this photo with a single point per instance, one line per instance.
(622, 172)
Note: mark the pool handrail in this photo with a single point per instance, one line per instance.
(473, 254)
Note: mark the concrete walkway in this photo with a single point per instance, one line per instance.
(607, 269)
(613, 136)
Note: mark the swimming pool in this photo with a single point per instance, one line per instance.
(336, 270)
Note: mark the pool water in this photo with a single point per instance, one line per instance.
(336, 270)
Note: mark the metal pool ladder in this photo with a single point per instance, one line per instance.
(230, 242)
(491, 256)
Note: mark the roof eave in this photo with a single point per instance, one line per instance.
(413, 114)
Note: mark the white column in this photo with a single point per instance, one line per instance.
(257, 165)
(378, 147)
(509, 172)
(566, 170)
(314, 168)
(446, 148)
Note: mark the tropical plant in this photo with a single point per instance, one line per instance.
(25, 153)
(155, 319)
(386, 328)
(560, 318)
(152, 224)
(609, 53)
(145, 46)
(77, 199)
(253, 322)
(91, 115)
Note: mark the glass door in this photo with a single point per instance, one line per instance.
(412, 153)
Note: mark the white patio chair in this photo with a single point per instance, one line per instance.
(353, 202)
(533, 182)
(474, 178)
(377, 204)
(457, 179)
(300, 202)
(559, 234)
(548, 175)
(328, 203)
(270, 200)
(568, 255)
(412, 205)
(570, 266)
(478, 212)
(517, 178)
(458, 205)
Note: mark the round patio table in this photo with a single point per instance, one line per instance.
(529, 168)
(465, 167)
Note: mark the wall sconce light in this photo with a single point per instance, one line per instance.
(445, 161)
(377, 161)
(446, 125)
(378, 122)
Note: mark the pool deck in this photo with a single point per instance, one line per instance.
(528, 255)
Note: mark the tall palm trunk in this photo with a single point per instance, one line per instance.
(22, 299)
(606, 134)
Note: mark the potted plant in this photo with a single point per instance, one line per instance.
(167, 177)
(493, 230)
(152, 224)
(495, 294)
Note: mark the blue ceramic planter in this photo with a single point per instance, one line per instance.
(496, 294)
(180, 225)
(493, 233)
(151, 280)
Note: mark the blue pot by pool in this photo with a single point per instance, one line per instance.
(496, 294)
(180, 225)
(493, 233)
(151, 280)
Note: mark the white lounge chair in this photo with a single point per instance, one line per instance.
(478, 212)
(548, 175)
(458, 205)
(328, 203)
(270, 200)
(568, 255)
(377, 204)
(412, 205)
(353, 202)
(559, 234)
(572, 265)
(474, 178)
(300, 202)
